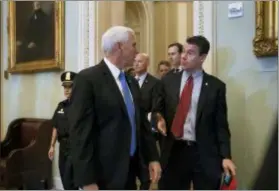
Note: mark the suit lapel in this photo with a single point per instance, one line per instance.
(177, 83)
(203, 95)
(145, 82)
(112, 86)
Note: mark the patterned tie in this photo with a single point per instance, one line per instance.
(182, 109)
(130, 110)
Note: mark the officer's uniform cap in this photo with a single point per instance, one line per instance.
(67, 78)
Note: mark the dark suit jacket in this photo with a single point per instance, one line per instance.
(100, 130)
(212, 132)
(151, 91)
(267, 178)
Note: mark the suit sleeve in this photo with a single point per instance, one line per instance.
(267, 178)
(82, 132)
(147, 139)
(157, 102)
(223, 132)
(158, 106)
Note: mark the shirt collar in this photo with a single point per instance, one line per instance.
(113, 69)
(194, 74)
(142, 77)
(178, 68)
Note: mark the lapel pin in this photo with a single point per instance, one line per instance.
(206, 84)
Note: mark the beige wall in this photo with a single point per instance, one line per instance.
(251, 89)
(173, 23)
(159, 24)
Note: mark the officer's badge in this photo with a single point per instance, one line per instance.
(68, 76)
(61, 111)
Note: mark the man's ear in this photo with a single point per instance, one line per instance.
(119, 46)
(203, 57)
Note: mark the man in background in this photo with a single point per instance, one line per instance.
(174, 54)
(131, 71)
(163, 68)
(151, 90)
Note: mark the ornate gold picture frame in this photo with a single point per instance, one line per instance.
(36, 36)
(266, 39)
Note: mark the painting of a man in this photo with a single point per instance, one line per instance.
(34, 31)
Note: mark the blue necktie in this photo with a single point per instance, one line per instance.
(130, 110)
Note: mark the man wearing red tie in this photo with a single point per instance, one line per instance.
(194, 112)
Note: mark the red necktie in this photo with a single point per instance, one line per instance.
(182, 109)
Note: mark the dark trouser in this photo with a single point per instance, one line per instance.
(159, 138)
(184, 167)
(134, 171)
(143, 176)
(137, 170)
(66, 171)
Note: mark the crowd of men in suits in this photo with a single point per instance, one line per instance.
(115, 119)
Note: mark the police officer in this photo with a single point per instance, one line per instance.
(60, 132)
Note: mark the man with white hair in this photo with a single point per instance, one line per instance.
(151, 91)
(110, 133)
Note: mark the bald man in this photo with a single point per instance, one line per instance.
(149, 85)
(151, 91)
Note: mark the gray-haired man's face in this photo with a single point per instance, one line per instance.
(129, 50)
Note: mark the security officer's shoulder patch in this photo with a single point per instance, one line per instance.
(61, 111)
(60, 107)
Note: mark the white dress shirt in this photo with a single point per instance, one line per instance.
(115, 73)
(141, 78)
(190, 121)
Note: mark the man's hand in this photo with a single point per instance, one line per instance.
(51, 152)
(229, 167)
(91, 187)
(18, 43)
(161, 125)
(31, 45)
(155, 171)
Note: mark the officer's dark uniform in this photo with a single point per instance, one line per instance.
(60, 122)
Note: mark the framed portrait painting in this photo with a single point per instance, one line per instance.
(265, 42)
(36, 36)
